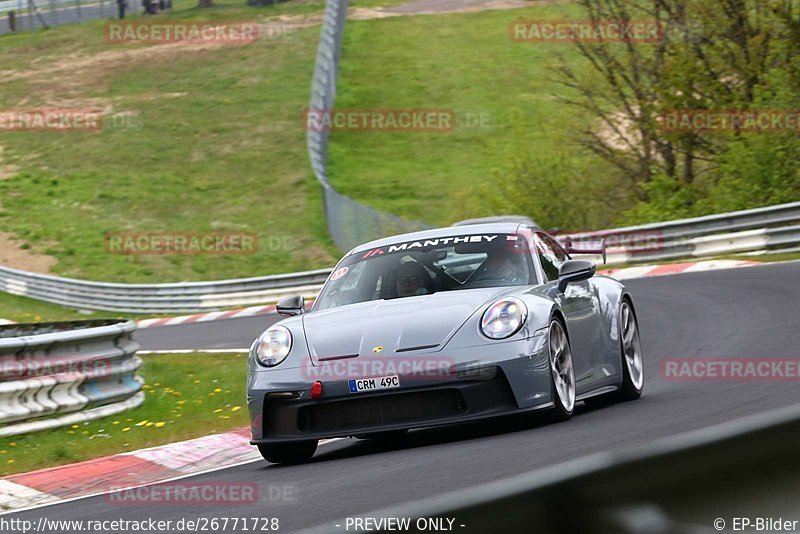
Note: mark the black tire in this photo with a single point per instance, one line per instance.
(628, 389)
(560, 412)
(385, 437)
(288, 453)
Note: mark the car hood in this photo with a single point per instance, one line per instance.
(397, 325)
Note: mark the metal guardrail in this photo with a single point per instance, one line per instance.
(36, 14)
(350, 223)
(56, 374)
(691, 483)
(768, 216)
(761, 229)
(160, 298)
(754, 230)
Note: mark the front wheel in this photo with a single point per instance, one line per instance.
(288, 453)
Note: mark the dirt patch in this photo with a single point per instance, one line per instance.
(72, 70)
(622, 136)
(73, 73)
(13, 255)
(6, 169)
(441, 7)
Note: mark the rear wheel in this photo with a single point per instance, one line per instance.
(632, 362)
(562, 373)
(288, 453)
(633, 365)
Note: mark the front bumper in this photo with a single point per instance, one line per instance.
(281, 409)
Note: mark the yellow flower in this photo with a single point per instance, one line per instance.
(74, 426)
(218, 410)
(196, 381)
(11, 461)
(217, 390)
(181, 402)
(236, 408)
(13, 443)
(126, 429)
(3, 451)
(160, 424)
(115, 423)
(149, 424)
(141, 423)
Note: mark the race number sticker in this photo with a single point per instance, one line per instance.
(339, 273)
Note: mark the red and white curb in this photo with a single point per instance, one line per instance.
(128, 471)
(676, 268)
(621, 274)
(204, 317)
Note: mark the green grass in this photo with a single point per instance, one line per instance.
(25, 310)
(459, 62)
(187, 396)
(220, 148)
(219, 145)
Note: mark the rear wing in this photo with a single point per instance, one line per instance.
(585, 245)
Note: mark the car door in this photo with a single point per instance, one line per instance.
(579, 304)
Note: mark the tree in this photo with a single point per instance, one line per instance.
(714, 55)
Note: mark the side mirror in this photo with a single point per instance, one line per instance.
(289, 306)
(574, 271)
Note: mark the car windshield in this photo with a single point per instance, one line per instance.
(424, 267)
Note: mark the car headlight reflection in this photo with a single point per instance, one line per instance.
(273, 346)
(504, 318)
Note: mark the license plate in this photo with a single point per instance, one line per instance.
(357, 385)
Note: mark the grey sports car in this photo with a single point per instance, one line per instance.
(439, 327)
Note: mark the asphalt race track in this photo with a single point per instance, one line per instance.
(749, 312)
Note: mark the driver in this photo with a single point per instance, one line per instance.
(413, 279)
(499, 265)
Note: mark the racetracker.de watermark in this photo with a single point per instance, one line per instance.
(396, 120)
(201, 493)
(586, 31)
(731, 120)
(181, 243)
(196, 32)
(62, 366)
(730, 369)
(50, 119)
(633, 242)
(407, 368)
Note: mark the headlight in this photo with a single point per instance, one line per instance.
(504, 318)
(273, 346)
